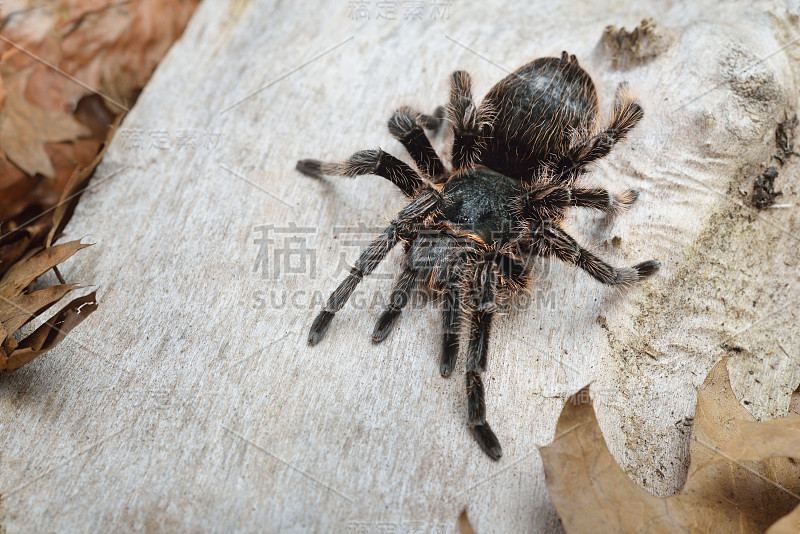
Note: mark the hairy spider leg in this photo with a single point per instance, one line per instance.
(404, 126)
(451, 322)
(549, 239)
(367, 162)
(483, 307)
(565, 56)
(625, 115)
(468, 121)
(542, 198)
(401, 294)
(432, 122)
(403, 227)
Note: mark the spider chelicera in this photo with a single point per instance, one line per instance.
(468, 231)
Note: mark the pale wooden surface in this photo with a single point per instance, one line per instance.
(179, 405)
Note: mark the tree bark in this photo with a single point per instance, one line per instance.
(190, 399)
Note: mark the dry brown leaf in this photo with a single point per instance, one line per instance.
(19, 305)
(26, 196)
(463, 524)
(77, 56)
(74, 188)
(25, 127)
(788, 524)
(62, 57)
(794, 404)
(10, 184)
(52, 332)
(117, 47)
(3, 352)
(592, 494)
(33, 265)
(15, 315)
(756, 440)
(2, 92)
(765, 489)
(15, 243)
(110, 45)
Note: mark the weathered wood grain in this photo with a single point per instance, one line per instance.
(190, 401)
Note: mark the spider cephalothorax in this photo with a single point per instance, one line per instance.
(469, 232)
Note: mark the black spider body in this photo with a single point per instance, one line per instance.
(539, 107)
(468, 232)
(482, 202)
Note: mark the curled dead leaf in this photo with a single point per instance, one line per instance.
(52, 332)
(66, 69)
(33, 265)
(739, 479)
(78, 182)
(15, 243)
(19, 305)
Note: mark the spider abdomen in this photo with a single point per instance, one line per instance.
(536, 110)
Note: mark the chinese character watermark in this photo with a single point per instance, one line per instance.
(288, 250)
(398, 527)
(291, 256)
(399, 10)
(164, 140)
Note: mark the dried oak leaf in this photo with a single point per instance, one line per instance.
(788, 524)
(25, 195)
(116, 47)
(463, 525)
(52, 332)
(15, 242)
(19, 305)
(25, 127)
(740, 480)
(77, 183)
(111, 46)
(91, 57)
(2, 92)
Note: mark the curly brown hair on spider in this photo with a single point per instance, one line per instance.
(516, 163)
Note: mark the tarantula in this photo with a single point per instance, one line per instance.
(468, 231)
